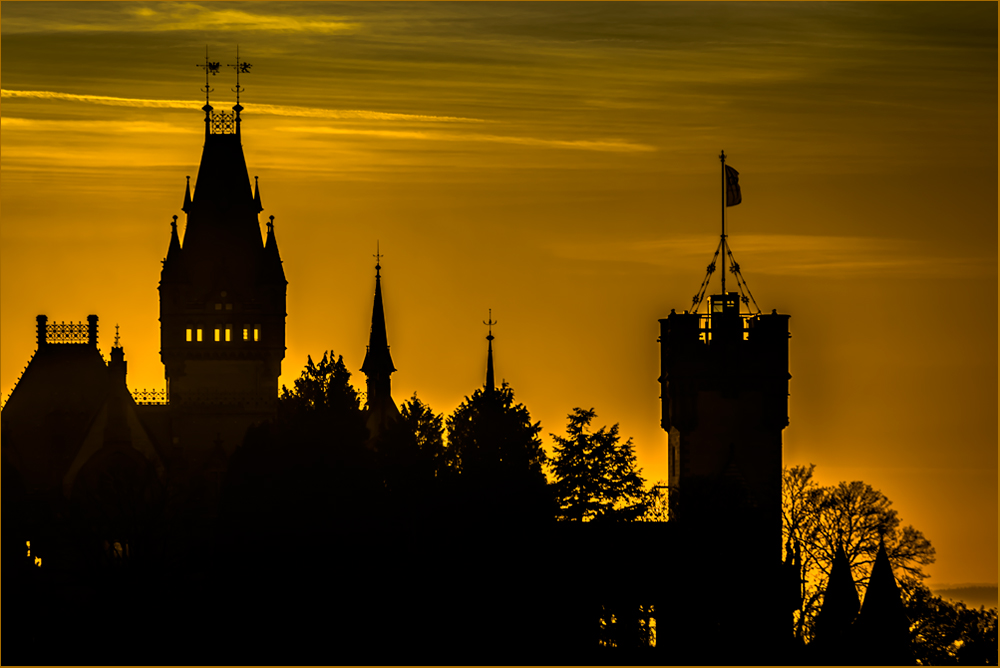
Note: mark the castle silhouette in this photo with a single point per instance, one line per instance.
(711, 582)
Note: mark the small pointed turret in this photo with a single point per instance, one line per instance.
(882, 632)
(117, 434)
(187, 197)
(173, 264)
(840, 604)
(273, 271)
(256, 196)
(378, 366)
(174, 249)
(490, 382)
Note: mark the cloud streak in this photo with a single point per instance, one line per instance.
(613, 146)
(172, 17)
(790, 255)
(250, 108)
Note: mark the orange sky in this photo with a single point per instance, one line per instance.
(558, 164)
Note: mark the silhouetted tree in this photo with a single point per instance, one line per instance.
(496, 450)
(596, 474)
(428, 432)
(816, 517)
(323, 393)
(311, 468)
(412, 460)
(657, 500)
(949, 633)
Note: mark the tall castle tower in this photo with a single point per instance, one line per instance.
(222, 297)
(724, 391)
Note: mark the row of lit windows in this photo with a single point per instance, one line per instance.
(223, 333)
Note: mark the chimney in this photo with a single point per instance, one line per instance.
(92, 330)
(42, 330)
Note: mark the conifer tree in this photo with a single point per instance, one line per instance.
(596, 475)
(495, 450)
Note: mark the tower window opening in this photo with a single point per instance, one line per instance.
(229, 333)
(188, 334)
(218, 334)
(246, 332)
(198, 334)
(218, 307)
(229, 307)
(256, 332)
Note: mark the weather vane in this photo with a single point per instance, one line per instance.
(210, 68)
(490, 323)
(378, 259)
(116, 336)
(239, 67)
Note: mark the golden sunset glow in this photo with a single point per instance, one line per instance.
(556, 163)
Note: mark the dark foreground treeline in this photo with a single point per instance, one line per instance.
(322, 544)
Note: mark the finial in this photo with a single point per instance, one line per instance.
(722, 156)
(270, 224)
(210, 68)
(173, 225)
(245, 69)
(378, 260)
(490, 323)
(117, 337)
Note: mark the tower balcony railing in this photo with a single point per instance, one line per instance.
(725, 323)
(146, 397)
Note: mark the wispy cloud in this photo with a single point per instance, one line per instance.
(250, 108)
(113, 127)
(613, 146)
(171, 16)
(790, 255)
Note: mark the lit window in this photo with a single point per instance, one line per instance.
(246, 332)
(256, 332)
(229, 333)
(198, 333)
(218, 334)
(229, 307)
(187, 334)
(218, 307)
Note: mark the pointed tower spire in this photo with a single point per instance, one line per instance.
(490, 382)
(840, 604)
(187, 197)
(882, 632)
(378, 364)
(272, 268)
(174, 250)
(256, 196)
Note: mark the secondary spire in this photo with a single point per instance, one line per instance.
(490, 383)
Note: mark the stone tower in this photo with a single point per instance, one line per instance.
(222, 299)
(724, 387)
(724, 392)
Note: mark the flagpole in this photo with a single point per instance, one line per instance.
(722, 157)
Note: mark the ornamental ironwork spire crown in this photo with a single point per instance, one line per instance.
(223, 123)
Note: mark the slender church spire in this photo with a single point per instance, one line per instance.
(378, 364)
(490, 382)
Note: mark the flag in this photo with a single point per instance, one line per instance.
(733, 196)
